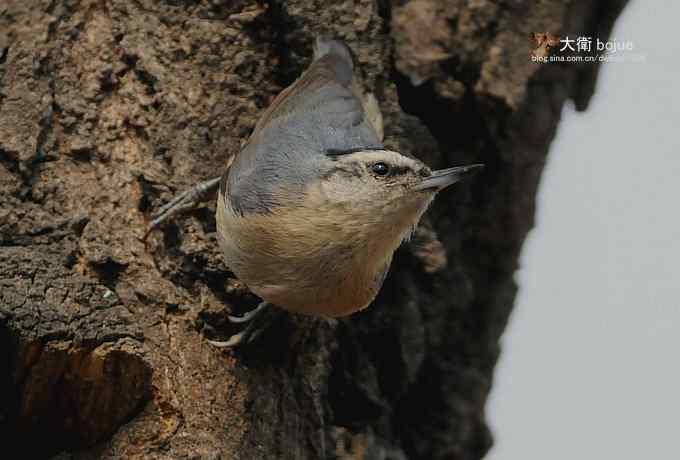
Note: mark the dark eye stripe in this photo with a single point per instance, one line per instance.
(398, 170)
(340, 152)
(392, 170)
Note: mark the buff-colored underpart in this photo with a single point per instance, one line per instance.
(307, 260)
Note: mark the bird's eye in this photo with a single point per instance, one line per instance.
(380, 169)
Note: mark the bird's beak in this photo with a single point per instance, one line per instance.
(442, 178)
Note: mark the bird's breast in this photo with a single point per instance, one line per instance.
(299, 263)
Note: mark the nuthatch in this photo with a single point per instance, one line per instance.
(312, 209)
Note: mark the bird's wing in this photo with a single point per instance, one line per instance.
(324, 94)
(321, 112)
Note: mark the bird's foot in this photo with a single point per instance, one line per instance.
(247, 335)
(186, 200)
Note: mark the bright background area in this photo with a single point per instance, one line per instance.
(590, 367)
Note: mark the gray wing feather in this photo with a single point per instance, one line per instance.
(287, 150)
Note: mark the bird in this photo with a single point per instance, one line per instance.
(311, 210)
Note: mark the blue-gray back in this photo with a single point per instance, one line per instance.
(288, 148)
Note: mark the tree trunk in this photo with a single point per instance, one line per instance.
(109, 108)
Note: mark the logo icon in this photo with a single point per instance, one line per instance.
(543, 42)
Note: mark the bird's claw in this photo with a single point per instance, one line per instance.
(248, 334)
(185, 201)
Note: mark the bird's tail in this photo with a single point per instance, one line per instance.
(324, 46)
(343, 62)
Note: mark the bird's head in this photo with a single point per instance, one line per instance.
(381, 191)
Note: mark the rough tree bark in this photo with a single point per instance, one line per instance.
(108, 108)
